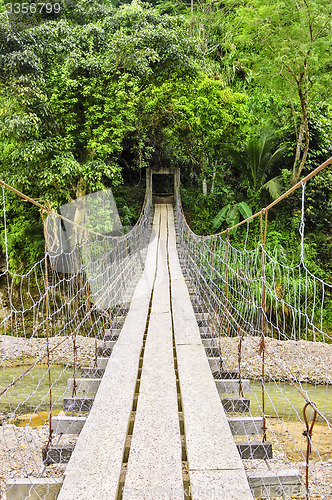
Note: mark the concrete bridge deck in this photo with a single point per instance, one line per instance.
(157, 428)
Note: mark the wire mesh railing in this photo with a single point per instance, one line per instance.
(53, 320)
(264, 322)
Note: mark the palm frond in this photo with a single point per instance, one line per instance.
(274, 187)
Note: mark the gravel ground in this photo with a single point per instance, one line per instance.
(18, 350)
(304, 360)
(21, 453)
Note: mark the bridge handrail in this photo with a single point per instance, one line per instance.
(268, 207)
(48, 210)
(205, 259)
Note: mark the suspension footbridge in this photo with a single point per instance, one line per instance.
(186, 341)
(149, 416)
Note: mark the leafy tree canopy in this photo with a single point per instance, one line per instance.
(70, 93)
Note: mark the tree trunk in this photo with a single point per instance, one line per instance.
(204, 186)
(213, 176)
(80, 212)
(304, 132)
(192, 21)
(298, 146)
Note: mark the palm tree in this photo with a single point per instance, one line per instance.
(256, 164)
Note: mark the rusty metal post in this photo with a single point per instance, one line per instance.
(226, 280)
(226, 299)
(226, 269)
(308, 433)
(239, 358)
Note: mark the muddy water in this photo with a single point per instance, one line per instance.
(284, 401)
(31, 393)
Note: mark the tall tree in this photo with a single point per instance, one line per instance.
(287, 45)
(70, 89)
(196, 121)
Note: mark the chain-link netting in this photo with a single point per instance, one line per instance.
(55, 323)
(264, 323)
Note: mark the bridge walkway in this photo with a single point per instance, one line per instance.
(157, 428)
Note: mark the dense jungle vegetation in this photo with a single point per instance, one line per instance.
(237, 93)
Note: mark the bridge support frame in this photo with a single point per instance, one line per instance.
(162, 171)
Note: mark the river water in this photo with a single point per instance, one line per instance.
(284, 401)
(31, 394)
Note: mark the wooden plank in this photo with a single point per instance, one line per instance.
(101, 363)
(83, 385)
(155, 454)
(226, 374)
(91, 372)
(214, 364)
(115, 332)
(271, 484)
(67, 425)
(203, 323)
(104, 351)
(245, 425)
(180, 296)
(95, 466)
(219, 485)
(207, 333)
(57, 454)
(77, 403)
(235, 405)
(254, 450)
(210, 342)
(117, 323)
(229, 386)
(211, 450)
(209, 446)
(199, 309)
(202, 316)
(119, 318)
(111, 334)
(33, 488)
(122, 308)
(109, 344)
(213, 352)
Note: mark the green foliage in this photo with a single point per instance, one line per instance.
(256, 165)
(70, 95)
(25, 237)
(231, 215)
(129, 201)
(71, 92)
(90, 97)
(193, 121)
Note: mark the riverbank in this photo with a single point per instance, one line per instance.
(302, 360)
